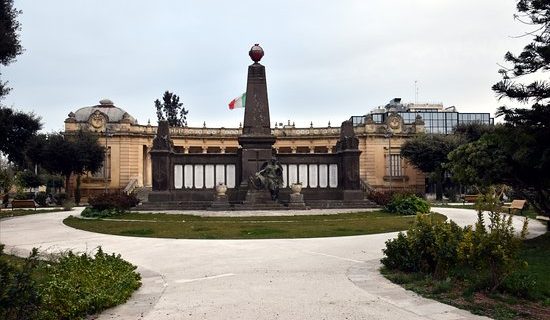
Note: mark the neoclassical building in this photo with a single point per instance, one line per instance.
(381, 134)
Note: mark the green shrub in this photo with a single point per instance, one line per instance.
(485, 256)
(398, 254)
(23, 196)
(384, 197)
(407, 205)
(520, 284)
(40, 198)
(19, 296)
(60, 198)
(77, 285)
(442, 286)
(69, 287)
(428, 246)
(117, 201)
(92, 213)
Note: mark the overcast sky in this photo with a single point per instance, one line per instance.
(325, 60)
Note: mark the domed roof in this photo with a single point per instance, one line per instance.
(107, 107)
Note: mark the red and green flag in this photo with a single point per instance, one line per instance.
(238, 102)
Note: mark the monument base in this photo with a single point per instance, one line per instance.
(259, 200)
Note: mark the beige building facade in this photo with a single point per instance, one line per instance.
(128, 163)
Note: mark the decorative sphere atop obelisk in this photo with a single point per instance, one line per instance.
(256, 53)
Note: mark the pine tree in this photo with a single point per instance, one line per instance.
(524, 138)
(171, 110)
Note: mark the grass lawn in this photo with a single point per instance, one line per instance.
(6, 213)
(160, 225)
(500, 306)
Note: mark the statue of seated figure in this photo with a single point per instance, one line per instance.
(269, 177)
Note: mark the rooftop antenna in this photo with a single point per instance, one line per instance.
(415, 91)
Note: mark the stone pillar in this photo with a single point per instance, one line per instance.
(348, 151)
(256, 139)
(160, 158)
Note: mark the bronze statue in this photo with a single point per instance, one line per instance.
(269, 177)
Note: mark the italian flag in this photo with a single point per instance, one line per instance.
(238, 102)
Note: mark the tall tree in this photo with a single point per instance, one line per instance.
(171, 110)
(428, 152)
(16, 130)
(10, 46)
(68, 155)
(528, 129)
(518, 152)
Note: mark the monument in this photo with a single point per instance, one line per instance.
(256, 177)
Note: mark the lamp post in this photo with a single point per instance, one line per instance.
(389, 134)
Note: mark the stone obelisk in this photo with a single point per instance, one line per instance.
(256, 139)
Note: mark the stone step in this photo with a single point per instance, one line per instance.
(173, 205)
(336, 204)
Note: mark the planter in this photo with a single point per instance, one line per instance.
(296, 188)
(221, 189)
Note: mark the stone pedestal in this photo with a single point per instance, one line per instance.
(220, 203)
(296, 201)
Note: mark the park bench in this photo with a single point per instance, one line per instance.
(472, 198)
(515, 205)
(16, 204)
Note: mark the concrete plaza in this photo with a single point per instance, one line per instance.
(320, 278)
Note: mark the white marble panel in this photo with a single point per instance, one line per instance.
(220, 173)
(285, 171)
(199, 176)
(302, 174)
(230, 176)
(333, 175)
(323, 175)
(178, 176)
(188, 175)
(313, 176)
(292, 174)
(209, 176)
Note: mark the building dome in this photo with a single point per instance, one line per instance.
(106, 109)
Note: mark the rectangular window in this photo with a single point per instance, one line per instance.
(394, 166)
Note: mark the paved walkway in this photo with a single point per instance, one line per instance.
(322, 278)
